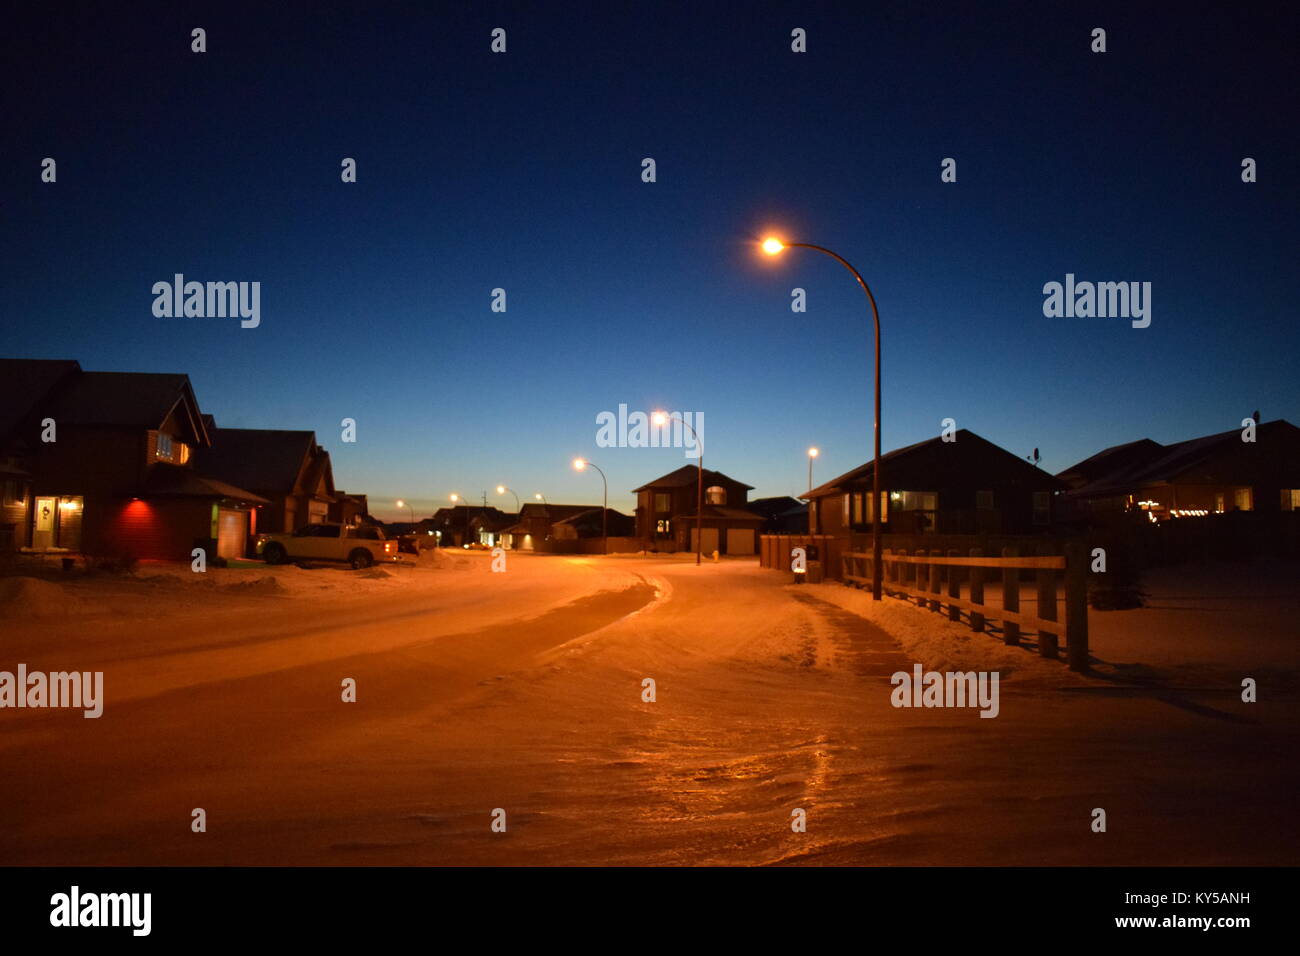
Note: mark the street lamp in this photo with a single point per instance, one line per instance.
(580, 464)
(812, 453)
(660, 419)
(502, 489)
(773, 246)
(402, 504)
(455, 498)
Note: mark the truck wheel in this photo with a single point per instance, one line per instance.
(274, 553)
(360, 558)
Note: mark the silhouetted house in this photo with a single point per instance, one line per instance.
(477, 524)
(25, 388)
(119, 475)
(781, 515)
(287, 468)
(666, 518)
(347, 508)
(1201, 476)
(587, 524)
(533, 530)
(965, 486)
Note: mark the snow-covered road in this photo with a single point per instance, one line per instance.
(524, 691)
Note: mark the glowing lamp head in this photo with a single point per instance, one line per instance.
(401, 503)
(772, 245)
(538, 496)
(455, 497)
(579, 464)
(813, 452)
(501, 489)
(659, 419)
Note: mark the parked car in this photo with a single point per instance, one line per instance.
(358, 545)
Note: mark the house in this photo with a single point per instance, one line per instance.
(781, 515)
(1201, 476)
(666, 513)
(348, 508)
(109, 463)
(534, 529)
(286, 468)
(964, 486)
(475, 524)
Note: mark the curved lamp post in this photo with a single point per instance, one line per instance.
(402, 504)
(580, 464)
(773, 246)
(455, 498)
(502, 489)
(661, 419)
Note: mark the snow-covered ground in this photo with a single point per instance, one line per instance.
(523, 690)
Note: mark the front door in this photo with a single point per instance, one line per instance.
(43, 531)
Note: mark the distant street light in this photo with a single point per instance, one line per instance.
(773, 246)
(502, 489)
(403, 504)
(580, 464)
(660, 419)
(812, 453)
(455, 498)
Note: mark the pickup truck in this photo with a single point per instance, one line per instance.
(358, 545)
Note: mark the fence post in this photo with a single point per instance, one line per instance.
(904, 574)
(887, 570)
(1010, 597)
(1076, 605)
(954, 587)
(976, 591)
(1048, 645)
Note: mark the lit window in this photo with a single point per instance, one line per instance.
(1241, 499)
(164, 446)
(1291, 499)
(715, 495)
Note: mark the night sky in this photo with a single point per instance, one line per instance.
(523, 171)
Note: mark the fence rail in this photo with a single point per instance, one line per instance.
(936, 578)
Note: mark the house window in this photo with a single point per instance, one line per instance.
(1291, 499)
(663, 503)
(845, 516)
(12, 493)
(715, 495)
(1241, 499)
(984, 500)
(1042, 507)
(869, 516)
(164, 449)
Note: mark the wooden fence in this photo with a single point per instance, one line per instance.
(935, 579)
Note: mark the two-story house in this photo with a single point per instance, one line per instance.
(111, 463)
(666, 513)
(287, 468)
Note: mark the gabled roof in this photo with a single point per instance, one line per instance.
(688, 475)
(553, 512)
(589, 522)
(966, 461)
(780, 505)
(261, 459)
(173, 481)
(1112, 460)
(128, 399)
(25, 385)
(1171, 462)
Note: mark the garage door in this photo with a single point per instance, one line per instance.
(740, 541)
(232, 532)
(710, 540)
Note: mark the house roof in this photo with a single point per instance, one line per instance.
(25, 385)
(130, 399)
(589, 521)
(173, 481)
(263, 459)
(722, 513)
(688, 475)
(779, 505)
(966, 461)
(1169, 462)
(1112, 460)
(554, 512)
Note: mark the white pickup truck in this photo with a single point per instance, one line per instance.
(358, 545)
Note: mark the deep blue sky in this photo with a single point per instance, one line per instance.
(523, 171)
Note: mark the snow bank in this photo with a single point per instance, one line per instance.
(33, 598)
